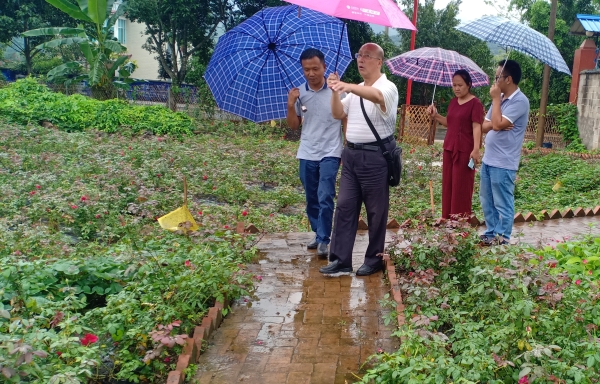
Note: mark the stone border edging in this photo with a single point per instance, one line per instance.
(390, 269)
(546, 151)
(545, 215)
(193, 345)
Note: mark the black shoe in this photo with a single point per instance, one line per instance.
(313, 244)
(490, 241)
(322, 250)
(335, 268)
(365, 270)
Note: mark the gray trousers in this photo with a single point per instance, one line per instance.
(363, 180)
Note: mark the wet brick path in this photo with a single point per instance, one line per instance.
(306, 328)
(302, 327)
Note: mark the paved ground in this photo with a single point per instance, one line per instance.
(305, 328)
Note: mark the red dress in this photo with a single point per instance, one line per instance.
(457, 178)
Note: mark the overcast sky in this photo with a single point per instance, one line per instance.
(469, 10)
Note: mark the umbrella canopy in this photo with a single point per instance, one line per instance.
(435, 66)
(380, 12)
(514, 35)
(256, 63)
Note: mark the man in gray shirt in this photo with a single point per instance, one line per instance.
(320, 145)
(505, 126)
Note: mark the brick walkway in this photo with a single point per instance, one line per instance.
(305, 328)
(302, 327)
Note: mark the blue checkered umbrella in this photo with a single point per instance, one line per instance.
(256, 63)
(517, 36)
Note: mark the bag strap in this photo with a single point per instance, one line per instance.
(384, 151)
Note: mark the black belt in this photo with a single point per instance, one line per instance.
(372, 146)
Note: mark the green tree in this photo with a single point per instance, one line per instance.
(535, 13)
(18, 16)
(182, 28)
(101, 52)
(436, 28)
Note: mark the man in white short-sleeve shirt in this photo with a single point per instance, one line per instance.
(364, 176)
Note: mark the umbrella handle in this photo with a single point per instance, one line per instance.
(339, 48)
(432, 97)
(184, 191)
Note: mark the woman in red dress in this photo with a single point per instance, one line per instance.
(463, 138)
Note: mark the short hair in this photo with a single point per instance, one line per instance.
(465, 76)
(310, 53)
(512, 69)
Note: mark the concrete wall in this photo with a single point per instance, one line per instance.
(588, 106)
(135, 39)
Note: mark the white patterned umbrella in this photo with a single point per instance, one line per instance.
(517, 36)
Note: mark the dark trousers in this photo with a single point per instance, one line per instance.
(318, 179)
(457, 184)
(363, 180)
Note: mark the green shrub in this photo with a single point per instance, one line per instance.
(27, 101)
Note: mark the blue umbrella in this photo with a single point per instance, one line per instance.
(517, 36)
(256, 63)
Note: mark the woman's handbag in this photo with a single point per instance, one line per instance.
(394, 159)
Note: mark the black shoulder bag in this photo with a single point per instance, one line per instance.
(394, 159)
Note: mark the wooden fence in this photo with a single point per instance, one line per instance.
(416, 127)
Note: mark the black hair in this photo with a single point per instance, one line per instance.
(310, 53)
(465, 76)
(512, 69)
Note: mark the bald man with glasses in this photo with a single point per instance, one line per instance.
(364, 176)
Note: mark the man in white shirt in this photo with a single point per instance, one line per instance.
(364, 176)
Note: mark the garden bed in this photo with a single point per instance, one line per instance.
(493, 315)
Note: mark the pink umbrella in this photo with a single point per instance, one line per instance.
(380, 12)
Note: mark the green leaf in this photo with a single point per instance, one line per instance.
(406, 371)
(66, 268)
(71, 10)
(524, 372)
(591, 361)
(4, 313)
(97, 11)
(118, 13)
(114, 46)
(573, 260)
(63, 70)
(64, 31)
(60, 42)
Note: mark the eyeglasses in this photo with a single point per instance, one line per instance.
(500, 77)
(359, 55)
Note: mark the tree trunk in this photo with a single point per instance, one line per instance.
(172, 99)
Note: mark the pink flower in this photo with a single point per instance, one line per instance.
(32, 193)
(541, 258)
(73, 206)
(245, 213)
(584, 261)
(59, 353)
(259, 342)
(523, 380)
(552, 264)
(259, 278)
(380, 350)
(589, 272)
(167, 359)
(204, 177)
(215, 187)
(83, 198)
(88, 339)
(188, 263)
(38, 187)
(271, 215)
(226, 226)
(410, 274)
(130, 147)
(577, 282)
(420, 167)
(200, 213)
(158, 175)
(98, 216)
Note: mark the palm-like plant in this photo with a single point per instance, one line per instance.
(104, 56)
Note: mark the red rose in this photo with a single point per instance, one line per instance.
(88, 339)
(245, 213)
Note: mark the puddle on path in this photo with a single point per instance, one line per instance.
(302, 327)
